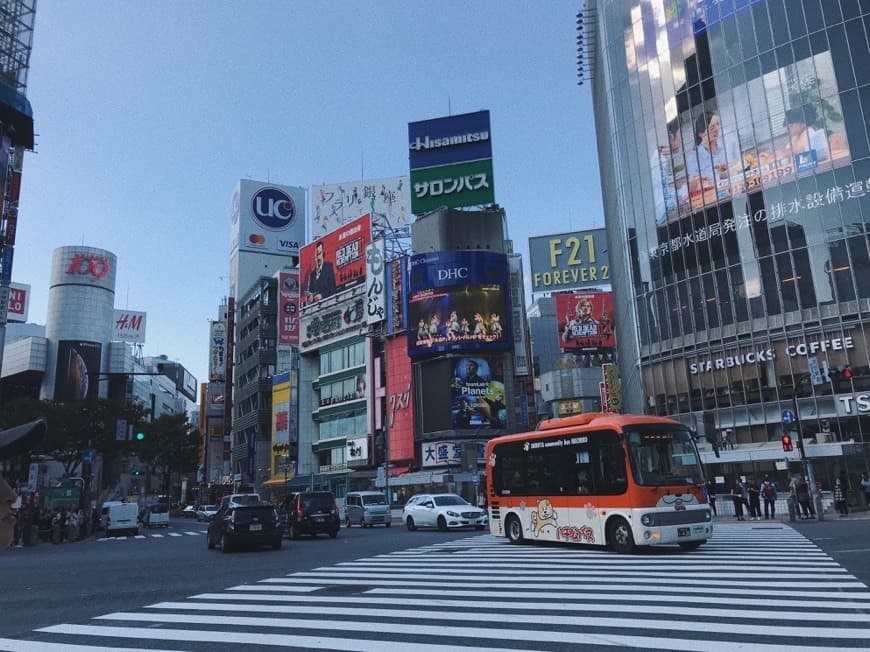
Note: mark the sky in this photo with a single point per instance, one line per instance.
(148, 113)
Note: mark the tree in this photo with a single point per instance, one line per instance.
(171, 445)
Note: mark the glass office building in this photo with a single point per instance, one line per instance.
(735, 167)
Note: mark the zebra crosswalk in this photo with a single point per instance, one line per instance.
(153, 535)
(750, 587)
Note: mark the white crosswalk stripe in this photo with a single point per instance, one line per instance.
(748, 588)
(152, 535)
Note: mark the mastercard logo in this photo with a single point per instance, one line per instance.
(256, 238)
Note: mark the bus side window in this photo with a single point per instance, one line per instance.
(611, 476)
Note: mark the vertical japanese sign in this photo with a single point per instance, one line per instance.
(375, 291)
(217, 351)
(612, 393)
(288, 308)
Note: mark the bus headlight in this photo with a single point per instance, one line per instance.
(647, 519)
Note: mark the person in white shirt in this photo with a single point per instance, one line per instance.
(803, 137)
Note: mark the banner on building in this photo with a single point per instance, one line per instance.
(478, 394)
(449, 453)
(77, 376)
(388, 201)
(19, 302)
(288, 308)
(267, 217)
(375, 290)
(565, 261)
(612, 392)
(397, 290)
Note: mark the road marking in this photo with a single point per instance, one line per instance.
(157, 536)
(175, 534)
(15, 645)
(139, 536)
(193, 534)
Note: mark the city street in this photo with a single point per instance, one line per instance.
(756, 585)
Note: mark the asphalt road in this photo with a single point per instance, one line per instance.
(74, 582)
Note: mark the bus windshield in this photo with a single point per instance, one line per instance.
(663, 456)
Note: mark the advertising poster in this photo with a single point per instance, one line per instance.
(400, 407)
(288, 308)
(458, 301)
(335, 261)
(388, 201)
(478, 394)
(567, 261)
(448, 140)
(267, 217)
(217, 351)
(129, 326)
(78, 371)
(396, 292)
(585, 320)
(281, 407)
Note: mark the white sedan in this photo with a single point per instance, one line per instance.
(444, 511)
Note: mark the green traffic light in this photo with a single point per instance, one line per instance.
(140, 436)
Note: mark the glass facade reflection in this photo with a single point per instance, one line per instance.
(735, 167)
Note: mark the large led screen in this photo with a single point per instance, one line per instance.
(777, 126)
(458, 301)
(478, 398)
(585, 320)
(78, 371)
(335, 262)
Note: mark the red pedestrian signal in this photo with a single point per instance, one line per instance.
(787, 444)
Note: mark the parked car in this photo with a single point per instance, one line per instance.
(189, 511)
(156, 515)
(311, 512)
(366, 509)
(444, 511)
(237, 525)
(206, 512)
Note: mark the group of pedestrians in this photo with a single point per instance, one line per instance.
(750, 494)
(61, 525)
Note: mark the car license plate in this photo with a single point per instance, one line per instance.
(683, 531)
(256, 527)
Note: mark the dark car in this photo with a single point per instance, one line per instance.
(311, 512)
(238, 525)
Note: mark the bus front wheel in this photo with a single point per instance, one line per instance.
(514, 529)
(619, 536)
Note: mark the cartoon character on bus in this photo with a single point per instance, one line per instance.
(543, 516)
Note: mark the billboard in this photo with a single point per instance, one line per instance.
(78, 371)
(267, 218)
(323, 324)
(388, 201)
(451, 162)
(19, 302)
(281, 407)
(400, 407)
(565, 261)
(334, 262)
(585, 320)
(478, 394)
(128, 326)
(458, 301)
(448, 453)
(448, 140)
(375, 291)
(288, 308)
(217, 359)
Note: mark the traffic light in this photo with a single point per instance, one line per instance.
(136, 471)
(140, 436)
(787, 444)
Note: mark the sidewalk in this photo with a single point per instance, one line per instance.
(783, 518)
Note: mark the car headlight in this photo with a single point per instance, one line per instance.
(452, 513)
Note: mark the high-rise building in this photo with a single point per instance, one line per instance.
(735, 168)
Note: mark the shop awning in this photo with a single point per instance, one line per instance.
(277, 482)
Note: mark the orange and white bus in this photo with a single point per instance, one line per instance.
(608, 479)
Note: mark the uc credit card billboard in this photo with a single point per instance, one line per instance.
(458, 301)
(267, 217)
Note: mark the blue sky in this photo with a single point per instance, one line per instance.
(148, 113)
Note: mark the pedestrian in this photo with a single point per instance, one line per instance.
(840, 498)
(737, 496)
(768, 494)
(56, 524)
(865, 487)
(802, 492)
(14, 442)
(754, 500)
(711, 495)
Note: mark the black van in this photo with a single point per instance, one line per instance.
(311, 512)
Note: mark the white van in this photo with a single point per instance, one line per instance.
(156, 515)
(367, 508)
(120, 518)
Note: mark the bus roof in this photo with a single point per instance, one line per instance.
(609, 420)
